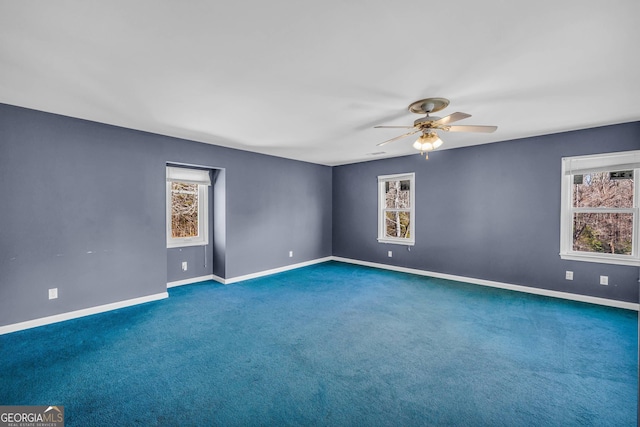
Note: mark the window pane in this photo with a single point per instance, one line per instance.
(397, 194)
(603, 190)
(184, 210)
(603, 232)
(397, 224)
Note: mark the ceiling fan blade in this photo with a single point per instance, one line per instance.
(484, 129)
(395, 127)
(454, 117)
(397, 137)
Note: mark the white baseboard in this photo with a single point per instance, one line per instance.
(135, 301)
(191, 280)
(275, 270)
(217, 278)
(247, 276)
(79, 313)
(490, 283)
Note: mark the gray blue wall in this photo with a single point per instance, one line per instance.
(83, 210)
(489, 212)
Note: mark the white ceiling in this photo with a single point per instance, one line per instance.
(309, 80)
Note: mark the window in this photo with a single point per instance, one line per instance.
(599, 215)
(187, 207)
(396, 210)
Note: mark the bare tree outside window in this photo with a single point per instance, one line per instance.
(398, 198)
(597, 227)
(184, 210)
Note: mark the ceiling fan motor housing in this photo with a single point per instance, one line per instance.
(425, 122)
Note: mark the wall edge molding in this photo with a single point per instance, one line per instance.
(500, 285)
(56, 318)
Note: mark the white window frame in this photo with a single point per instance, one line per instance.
(580, 165)
(382, 209)
(190, 176)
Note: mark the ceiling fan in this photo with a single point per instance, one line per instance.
(429, 125)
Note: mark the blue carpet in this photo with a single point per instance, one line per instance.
(333, 344)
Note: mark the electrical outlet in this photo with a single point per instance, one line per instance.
(604, 280)
(53, 293)
(390, 254)
(290, 254)
(568, 275)
(184, 265)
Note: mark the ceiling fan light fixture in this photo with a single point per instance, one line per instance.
(427, 142)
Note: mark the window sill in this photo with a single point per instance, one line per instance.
(618, 260)
(397, 242)
(173, 245)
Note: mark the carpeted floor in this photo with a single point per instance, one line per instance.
(333, 344)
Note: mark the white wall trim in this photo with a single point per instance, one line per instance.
(490, 283)
(7, 329)
(155, 297)
(217, 279)
(247, 276)
(275, 270)
(191, 280)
